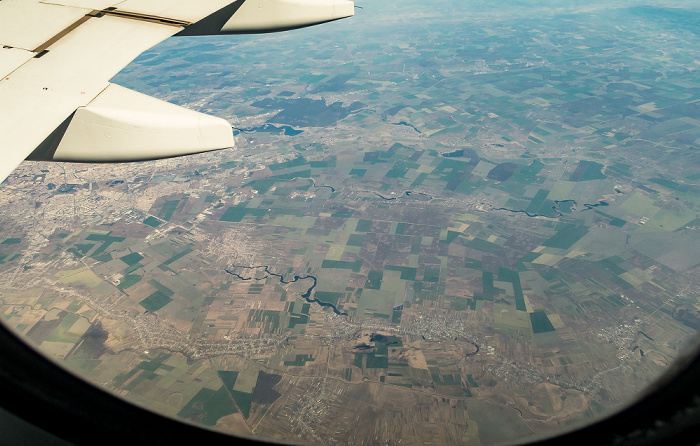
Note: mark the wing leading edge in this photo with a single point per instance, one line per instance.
(56, 60)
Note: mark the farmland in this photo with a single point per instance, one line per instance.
(398, 248)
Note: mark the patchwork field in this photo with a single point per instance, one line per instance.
(463, 228)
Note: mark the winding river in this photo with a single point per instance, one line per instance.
(555, 208)
(322, 185)
(306, 295)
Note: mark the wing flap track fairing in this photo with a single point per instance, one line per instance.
(124, 125)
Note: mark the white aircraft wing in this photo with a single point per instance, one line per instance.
(57, 56)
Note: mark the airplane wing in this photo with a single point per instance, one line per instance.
(57, 56)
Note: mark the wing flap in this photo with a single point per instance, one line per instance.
(82, 62)
(11, 59)
(28, 24)
(184, 10)
(124, 125)
(88, 4)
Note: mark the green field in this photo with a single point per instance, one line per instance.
(540, 322)
(131, 259)
(152, 222)
(208, 406)
(587, 171)
(168, 209)
(567, 235)
(155, 301)
(341, 264)
(128, 280)
(237, 213)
